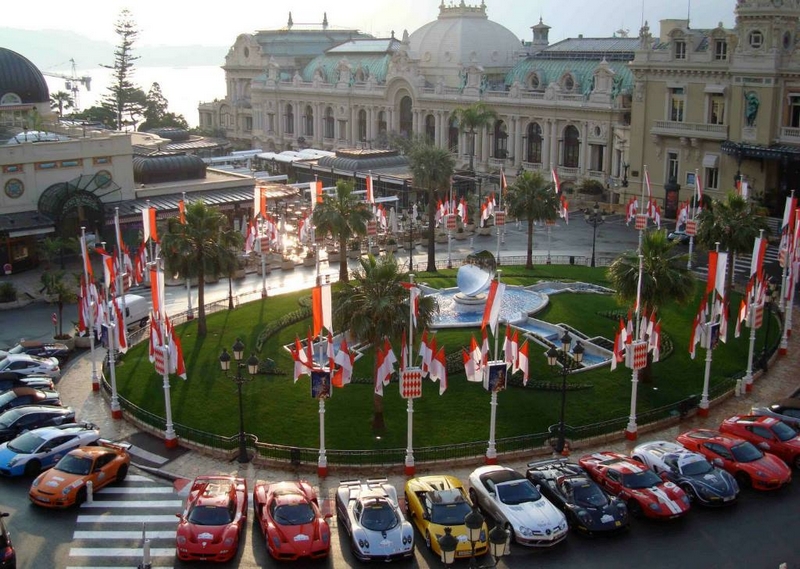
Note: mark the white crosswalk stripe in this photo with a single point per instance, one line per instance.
(109, 532)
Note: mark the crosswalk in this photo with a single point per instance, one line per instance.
(110, 531)
(741, 263)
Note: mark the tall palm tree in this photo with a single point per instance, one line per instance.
(471, 119)
(202, 246)
(432, 168)
(343, 217)
(61, 100)
(374, 306)
(532, 198)
(734, 224)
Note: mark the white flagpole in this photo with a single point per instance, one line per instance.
(170, 438)
(92, 309)
(121, 259)
(322, 462)
(702, 410)
(751, 321)
(491, 451)
(409, 463)
(116, 412)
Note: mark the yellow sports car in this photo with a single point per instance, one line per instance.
(436, 502)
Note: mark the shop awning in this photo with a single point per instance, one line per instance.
(711, 161)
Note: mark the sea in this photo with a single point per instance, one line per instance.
(183, 87)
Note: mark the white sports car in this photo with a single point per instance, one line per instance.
(371, 515)
(39, 449)
(512, 500)
(23, 364)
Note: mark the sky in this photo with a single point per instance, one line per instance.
(180, 22)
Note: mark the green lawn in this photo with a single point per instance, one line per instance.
(279, 411)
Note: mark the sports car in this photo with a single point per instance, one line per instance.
(41, 448)
(767, 433)
(16, 421)
(24, 364)
(211, 525)
(787, 410)
(512, 500)
(291, 521)
(750, 466)
(436, 502)
(65, 483)
(370, 514)
(703, 482)
(641, 489)
(28, 396)
(10, 380)
(588, 508)
(41, 349)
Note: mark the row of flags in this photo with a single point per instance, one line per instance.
(649, 330)
(652, 210)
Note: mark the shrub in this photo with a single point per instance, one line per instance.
(591, 187)
(8, 292)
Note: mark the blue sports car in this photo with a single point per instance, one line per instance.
(40, 449)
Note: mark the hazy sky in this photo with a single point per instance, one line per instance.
(179, 22)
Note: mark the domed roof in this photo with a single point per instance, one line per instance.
(462, 35)
(162, 168)
(20, 80)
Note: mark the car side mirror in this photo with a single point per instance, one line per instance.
(328, 516)
(179, 516)
(717, 462)
(763, 446)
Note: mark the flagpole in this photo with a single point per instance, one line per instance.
(631, 429)
(787, 260)
(702, 410)
(447, 225)
(120, 260)
(91, 327)
(116, 412)
(409, 462)
(322, 462)
(170, 438)
(751, 323)
(491, 451)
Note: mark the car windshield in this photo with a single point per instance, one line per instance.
(25, 444)
(784, 432)
(589, 496)
(696, 468)
(746, 452)
(7, 398)
(643, 479)
(209, 516)
(449, 514)
(9, 418)
(294, 515)
(379, 516)
(517, 492)
(72, 464)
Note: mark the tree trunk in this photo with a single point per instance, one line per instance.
(529, 257)
(343, 273)
(431, 237)
(378, 423)
(201, 303)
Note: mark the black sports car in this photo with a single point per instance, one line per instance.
(20, 419)
(587, 507)
(41, 349)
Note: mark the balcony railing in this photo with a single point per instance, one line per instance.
(790, 134)
(690, 129)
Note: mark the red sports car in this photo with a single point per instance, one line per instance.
(210, 526)
(750, 466)
(641, 488)
(767, 433)
(291, 521)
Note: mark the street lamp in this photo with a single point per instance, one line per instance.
(594, 218)
(239, 380)
(570, 364)
(498, 540)
(771, 298)
(474, 522)
(448, 544)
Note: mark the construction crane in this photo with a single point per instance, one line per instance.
(72, 82)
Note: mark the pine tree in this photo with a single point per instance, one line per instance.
(121, 97)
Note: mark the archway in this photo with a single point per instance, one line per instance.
(406, 117)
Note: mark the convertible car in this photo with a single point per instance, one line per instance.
(291, 521)
(370, 514)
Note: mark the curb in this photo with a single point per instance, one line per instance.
(158, 472)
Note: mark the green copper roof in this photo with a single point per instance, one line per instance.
(374, 66)
(550, 70)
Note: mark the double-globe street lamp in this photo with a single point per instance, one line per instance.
(595, 218)
(770, 300)
(498, 540)
(239, 380)
(569, 364)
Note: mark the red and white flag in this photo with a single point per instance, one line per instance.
(697, 327)
(698, 181)
(370, 191)
(345, 360)
(523, 362)
(484, 348)
(385, 367)
(428, 353)
(503, 182)
(470, 367)
(564, 209)
(119, 323)
(413, 299)
(156, 341)
(757, 261)
(556, 183)
(647, 182)
(321, 308)
(303, 362)
(157, 291)
(423, 348)
(462, 211)
(438, 370)
(176, 363)
(655, 341)
(491, 312)
(149, 224)
(182, 211)
(316, 187)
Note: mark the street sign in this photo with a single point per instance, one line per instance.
(451, 222)
(372, 228)
(691, 228)
(499, 218)
(411, 383)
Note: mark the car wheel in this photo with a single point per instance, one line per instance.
(743, 479)
(80, 497)
(33, 468)
(122, 472)
(635, 508)
(687, 488)
(143, 322)
(638, 458)
(510, 531)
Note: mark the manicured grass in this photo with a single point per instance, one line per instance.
(279, 411)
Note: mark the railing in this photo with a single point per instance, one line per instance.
(691, 129)
(790, 134)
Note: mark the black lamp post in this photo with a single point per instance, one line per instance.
(769, 302)
(570, 363)
(448, 545)
(239, 380)
(498, 540)
(594, 218)
(474, 522)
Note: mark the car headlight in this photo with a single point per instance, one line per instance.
(14, 460)
(761, 474)
(653, 506)
(526, 531)
(228, 541)
(584, 516)
(685, 500)
(36, 482)
(181, 540)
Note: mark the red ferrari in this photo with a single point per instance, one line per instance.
(291, 521)
(210, 526)
(767, 433)
(750, 466)
(641, 488)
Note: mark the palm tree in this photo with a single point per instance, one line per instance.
(471, 119)
(531, 197)
(201, 246)
(61, 100)
(665, 277)
(432, 168)
(60, 292)
(55, 247)
(374, 306)
(343, 217)
(734, 224)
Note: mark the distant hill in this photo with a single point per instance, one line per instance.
(51, 50)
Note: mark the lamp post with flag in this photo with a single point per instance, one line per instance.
(494, 378)
(410, 376)
(90, 300)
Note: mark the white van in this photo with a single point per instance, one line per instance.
(137, 310)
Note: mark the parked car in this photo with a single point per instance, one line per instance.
(19, 396)
(589, 509)
(10, 380)
(370, 514)
(64, 485)
(787, 410)
(703, 482)
(8, 558)
(20, 419)
(290, 519)
(436, 502)
(211, 525)
(767, 433)
(641, 489)
(750, 466)
(24, 364)
(678, 235)
(42, 349)
(40, 449)
(512, 500)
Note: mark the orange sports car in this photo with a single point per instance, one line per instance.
(65, 484)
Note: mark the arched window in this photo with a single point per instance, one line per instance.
(568, 83)
(533, 152)
(382, 126)
(406, 118)
(362, 125)
(430, 127)
(500, 140)
(533, 82)
(329, 122)
(308, 119)
(452, 134)
(572, 146)
(289, 119)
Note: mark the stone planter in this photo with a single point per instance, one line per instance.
(239, 274)
(83, 342)
(354, 254)
(375, 250)
(309, 261)
(69, 342)
(441, 238)
(484, 231)
(287, 265)
(460, 236)
(391, 248)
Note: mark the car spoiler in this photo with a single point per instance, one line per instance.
(537, 464)
(121, 445)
